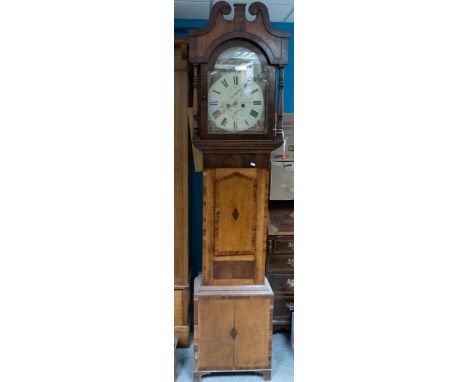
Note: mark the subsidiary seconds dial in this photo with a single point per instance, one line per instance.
(235, 102)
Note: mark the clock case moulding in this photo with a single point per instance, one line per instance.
(205, 44)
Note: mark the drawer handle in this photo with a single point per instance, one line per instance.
(290, 306)
(291, 263)
(290, 283)
(291, 245)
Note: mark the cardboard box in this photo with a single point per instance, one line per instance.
(282, 181)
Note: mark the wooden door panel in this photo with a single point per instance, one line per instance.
(234, 225)
(252, 347)
(215, 322)
(235, 212)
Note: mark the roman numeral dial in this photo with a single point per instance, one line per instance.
(236, 103)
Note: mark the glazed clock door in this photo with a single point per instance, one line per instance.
(234, 226)
(238, 91)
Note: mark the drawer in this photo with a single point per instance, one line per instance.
(281, 244)
(283, 284)
(281, 264)
(283, 308)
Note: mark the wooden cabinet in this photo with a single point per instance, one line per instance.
(280, 262)
(181, 141)
(232, 328)
(234, 226)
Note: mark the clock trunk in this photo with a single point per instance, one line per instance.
(234, 225)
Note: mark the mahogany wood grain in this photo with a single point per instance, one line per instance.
(281, 244)
(206, 44)
(219, 30)
(281, 222)
(282, 284)
(281, 264)
(283, 307)
(280, 261)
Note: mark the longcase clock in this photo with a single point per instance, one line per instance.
(236, 64)
(238, 77)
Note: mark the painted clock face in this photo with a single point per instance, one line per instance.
(235, 103)
(237, 90)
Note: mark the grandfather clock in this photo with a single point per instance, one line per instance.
(238, 76)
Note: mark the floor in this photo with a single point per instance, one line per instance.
(282, 364)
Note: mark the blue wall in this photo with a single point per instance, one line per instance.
(195, 178)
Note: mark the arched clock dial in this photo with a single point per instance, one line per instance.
(236, 103)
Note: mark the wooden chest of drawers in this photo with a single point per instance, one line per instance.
(280, 262)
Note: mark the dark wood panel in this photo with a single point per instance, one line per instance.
(283, 284)
(280, 260)
(283, 307)
(281, 244)
(234, 269)
(281, 218)
(211, 160)
(281, 264)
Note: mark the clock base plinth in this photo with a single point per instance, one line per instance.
(232, 329)
(197, 375)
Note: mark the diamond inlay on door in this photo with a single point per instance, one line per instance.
(235, 214)
(233, 333)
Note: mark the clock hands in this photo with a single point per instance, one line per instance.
(238, 105)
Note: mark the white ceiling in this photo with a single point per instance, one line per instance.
(280, 10)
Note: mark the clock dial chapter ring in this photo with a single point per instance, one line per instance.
(235, 105)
